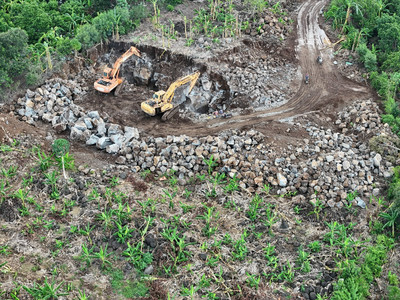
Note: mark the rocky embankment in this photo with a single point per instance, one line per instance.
(328, 165)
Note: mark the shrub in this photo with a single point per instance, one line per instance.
(65, 45)
(394, 188)
(362, 50)
(88, 35)
(370, 61)
(13, 52)
(380, 82)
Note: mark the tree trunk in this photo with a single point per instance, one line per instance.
(347, 18)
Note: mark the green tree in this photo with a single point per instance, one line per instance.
(370, 61)
(13, 55)
(392, 62)
(362, 50)
(31, 17)
(380, 82)
(88, 35)
(60, 149)
(5, 21)
(388, 29)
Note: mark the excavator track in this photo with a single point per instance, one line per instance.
(169, 114)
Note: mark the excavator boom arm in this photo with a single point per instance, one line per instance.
(192, 78)
(132, 50)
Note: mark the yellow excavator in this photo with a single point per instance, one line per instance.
(161, 101)
(111, 79)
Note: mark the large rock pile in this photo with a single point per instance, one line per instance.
(256, 79)
(52, 102)
(328, 165)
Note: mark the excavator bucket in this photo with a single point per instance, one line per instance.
(119, 88)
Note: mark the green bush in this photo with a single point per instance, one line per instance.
(380, 82)
(394, 188)
(137, 13)
(391, 107)
(370, 61)
(65, 45)
(31, 17)
(388, 29)
(13, 55)
(60, 147)
(392, 62)
(88, 36)
(362, 50)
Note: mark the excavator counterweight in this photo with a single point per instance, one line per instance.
(161, 101)
(111, 79)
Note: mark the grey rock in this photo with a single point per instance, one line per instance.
(101, 129)
(329, 158)
(29, 112)
(117, 139)
(88, 123)
(80, 125)
(131, 133)
(149, 270)
(103, 142)
(112, 149)
(360, 202)
(93, 114)
(206, 83)
(387, 174)
(48, 117)
(69, 116)
(199, 101)
(60, 127)
(120, 160)
(49, 105)
(29, 93)
(66, 91)
(377, 160)
(331, 203)
(142, 73)
(76, 133)
(92, 140)
(114, 129)
(282, 181)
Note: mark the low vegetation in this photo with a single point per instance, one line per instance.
(208, 239)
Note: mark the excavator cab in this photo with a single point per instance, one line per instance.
(107, 72)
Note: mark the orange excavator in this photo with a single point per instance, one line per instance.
(111, 79)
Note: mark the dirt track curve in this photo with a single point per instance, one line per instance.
(327, 89)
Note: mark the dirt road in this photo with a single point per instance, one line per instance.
(327, 91)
